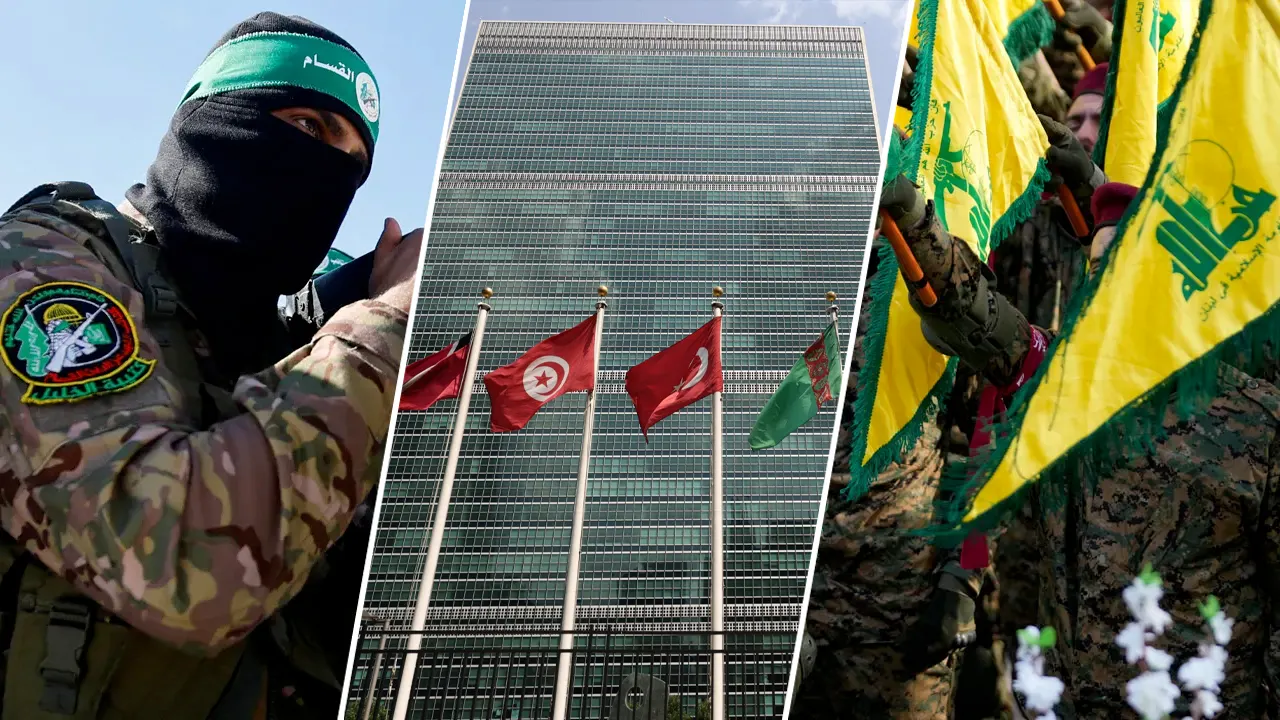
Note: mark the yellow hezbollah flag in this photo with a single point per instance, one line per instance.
(1127, 142)
(1192, 273)
(1175, 22)
(976, 150)
(1024, 26)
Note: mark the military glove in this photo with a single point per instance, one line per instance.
(948, 623)
(1088, 24)
(904, 203)
(969, 321)
(1063, 60)
(1071, 165)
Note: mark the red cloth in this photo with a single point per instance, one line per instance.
(677, 377)
(975, 553)
(436, 377)
(1110, 201)
(560, 364)
(1094, 82)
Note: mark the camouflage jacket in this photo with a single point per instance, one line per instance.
(1039, 264)
(1199, 507)
(192, 534)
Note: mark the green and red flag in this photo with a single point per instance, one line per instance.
(814, 381)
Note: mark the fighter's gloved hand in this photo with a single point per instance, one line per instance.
(1088, 24)
(947, 624)
(969, 320)
(1071, 165)
(904, 203)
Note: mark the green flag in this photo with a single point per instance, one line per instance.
(812, 382)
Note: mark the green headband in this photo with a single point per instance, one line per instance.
(279, 59)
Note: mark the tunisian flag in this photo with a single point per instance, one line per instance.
(678, 376)
(560, 364)
(436, 377)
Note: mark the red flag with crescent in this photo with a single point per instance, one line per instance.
(677, 377)
(560, 364)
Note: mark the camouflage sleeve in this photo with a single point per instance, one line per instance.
(987, 332)
(191, 535)
(1270, 516)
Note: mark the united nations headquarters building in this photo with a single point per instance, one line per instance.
(662, 161)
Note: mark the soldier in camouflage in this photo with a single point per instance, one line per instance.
(173, 483)
(1083, 25)
(1199, 506)
(888, 610)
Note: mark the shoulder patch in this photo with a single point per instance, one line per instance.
(70, 341)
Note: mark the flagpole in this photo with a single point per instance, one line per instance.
(405, 693)
(717, 537)
(564, 672)
(834, 310)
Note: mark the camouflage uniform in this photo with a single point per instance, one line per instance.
(1036, 268)
(1039, 264)
(1042, 88)
(189, 532)
(1200, 508)
(871, 580)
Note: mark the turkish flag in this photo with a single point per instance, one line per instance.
(436, 377)
(678, 376)
(560, 364)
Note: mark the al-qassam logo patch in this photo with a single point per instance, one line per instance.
(71, 342)
(367, 96)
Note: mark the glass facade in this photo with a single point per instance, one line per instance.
(659, 160)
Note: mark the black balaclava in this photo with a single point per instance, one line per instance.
(246, 206)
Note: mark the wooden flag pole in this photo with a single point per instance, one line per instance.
(907, 261)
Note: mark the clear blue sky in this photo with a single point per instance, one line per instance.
(90, 87)
(882, 23)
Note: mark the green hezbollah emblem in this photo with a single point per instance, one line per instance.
(1190, 234)
(69, 341)
(953, 172)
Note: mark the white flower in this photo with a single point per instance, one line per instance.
(1221, 625)
(1143, 601)
(1040, 692)
(1134, 640)
(1208, 702)
(1205, 672)
(1158, 659)
(1152, 695)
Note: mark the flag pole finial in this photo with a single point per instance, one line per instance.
(831, 296)
(717, 292)
(487, 293)
(602, 291)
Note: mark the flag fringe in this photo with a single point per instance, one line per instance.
(1138, 427)
(880, 292)
(1029, 32)
(1135, 430)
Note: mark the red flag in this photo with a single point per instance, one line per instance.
(435, 378)
(560, 364)
(678, 376)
